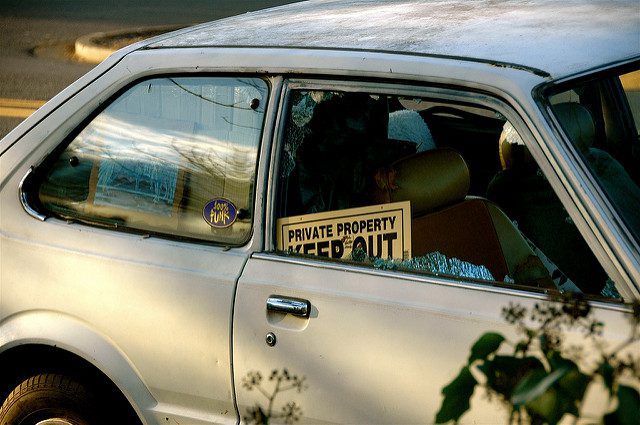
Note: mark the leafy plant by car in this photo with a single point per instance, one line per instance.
(543, 379)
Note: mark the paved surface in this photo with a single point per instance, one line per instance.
(37, 40)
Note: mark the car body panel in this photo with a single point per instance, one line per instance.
(126, 285)
(521, 33)
(364, 330)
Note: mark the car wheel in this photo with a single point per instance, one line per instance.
(49, 399)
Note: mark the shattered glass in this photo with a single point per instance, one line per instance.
(610, 290)
(302, 112)
(293, 139)
(304, 104)
(433, 262)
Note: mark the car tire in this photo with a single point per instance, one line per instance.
(50, 399)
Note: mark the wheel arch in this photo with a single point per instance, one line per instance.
(47, 341)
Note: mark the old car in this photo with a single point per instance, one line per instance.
(335, 196)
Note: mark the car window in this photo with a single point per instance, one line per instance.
(427, 186)
(598, 118)
(174, 156)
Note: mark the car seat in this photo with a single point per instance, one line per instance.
(472, 229)
(620, 187)
(524, 193)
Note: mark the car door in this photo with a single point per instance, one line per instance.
(129, 234)
(329, 328)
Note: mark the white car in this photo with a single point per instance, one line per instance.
(345, 191)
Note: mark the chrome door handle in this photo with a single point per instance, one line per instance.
(295, 306)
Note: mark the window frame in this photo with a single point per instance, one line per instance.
(446, 94)
(29, 186)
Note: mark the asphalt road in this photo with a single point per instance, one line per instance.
(36, 38)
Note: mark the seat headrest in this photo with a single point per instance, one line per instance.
(514, 154)
(577, 123)
(431, 180)
(409, 126)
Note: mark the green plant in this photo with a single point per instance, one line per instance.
(541, 380)
(282, 381)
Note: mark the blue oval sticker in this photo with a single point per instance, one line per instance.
(220, 213)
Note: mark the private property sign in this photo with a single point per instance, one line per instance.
(380, 230)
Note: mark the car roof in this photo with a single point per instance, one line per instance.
(549, 37)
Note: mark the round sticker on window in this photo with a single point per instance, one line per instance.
(220, 213)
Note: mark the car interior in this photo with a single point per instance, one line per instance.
(476, 193)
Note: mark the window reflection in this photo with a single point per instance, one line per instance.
(156, 156)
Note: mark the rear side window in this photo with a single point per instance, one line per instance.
(174, 156)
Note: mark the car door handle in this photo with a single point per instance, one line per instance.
(295, 306)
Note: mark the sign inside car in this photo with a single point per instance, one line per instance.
(382, 231)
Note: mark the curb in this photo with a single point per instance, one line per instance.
(96, 47)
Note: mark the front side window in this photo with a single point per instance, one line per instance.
(600, 116)
(174, 156)
(428, 186)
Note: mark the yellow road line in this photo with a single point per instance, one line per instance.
(18, 108)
